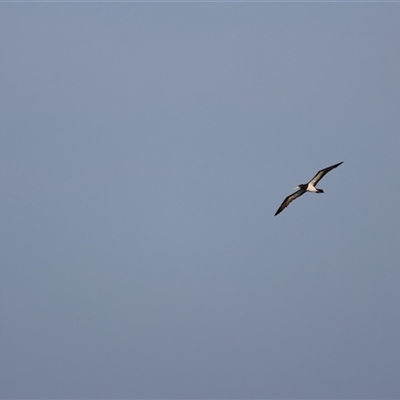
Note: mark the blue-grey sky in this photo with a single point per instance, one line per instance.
(144, 150)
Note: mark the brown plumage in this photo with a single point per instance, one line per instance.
(307, 187)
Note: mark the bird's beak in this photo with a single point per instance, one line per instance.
(297, 187)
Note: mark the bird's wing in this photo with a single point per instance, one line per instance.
(289, 199)
(320, 174)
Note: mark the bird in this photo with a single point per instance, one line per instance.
(307, 187)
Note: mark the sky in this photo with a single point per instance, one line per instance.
(144, 150)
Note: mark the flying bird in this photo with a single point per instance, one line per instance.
(307, 187)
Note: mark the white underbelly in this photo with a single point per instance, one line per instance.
(312, 189)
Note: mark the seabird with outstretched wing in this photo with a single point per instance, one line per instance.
(307, 187)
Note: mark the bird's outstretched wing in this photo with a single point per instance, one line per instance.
(289, 199)
(320, 174)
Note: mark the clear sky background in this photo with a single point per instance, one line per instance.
(144, 150)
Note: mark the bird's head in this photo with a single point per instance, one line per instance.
(301, 186)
